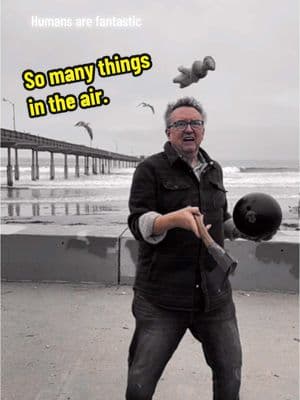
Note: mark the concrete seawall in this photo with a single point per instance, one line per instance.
(108, 255)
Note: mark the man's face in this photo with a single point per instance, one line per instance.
(187, 140)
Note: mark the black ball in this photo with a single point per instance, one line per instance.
(257, 215)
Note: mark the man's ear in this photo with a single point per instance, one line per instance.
(167, 132)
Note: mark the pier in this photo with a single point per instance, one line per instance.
(96, 160)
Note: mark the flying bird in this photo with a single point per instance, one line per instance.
(87, 127)
(197, 71)
(147, 105)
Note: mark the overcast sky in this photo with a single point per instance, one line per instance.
(251, 98)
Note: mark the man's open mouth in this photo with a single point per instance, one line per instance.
(188, 139)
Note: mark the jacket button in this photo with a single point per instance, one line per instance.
(197, 286)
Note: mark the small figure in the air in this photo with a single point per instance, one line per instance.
(198, 71)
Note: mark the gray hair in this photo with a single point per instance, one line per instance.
(183, 102)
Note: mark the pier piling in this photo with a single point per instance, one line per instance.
(37, 167)
(52, 166)
(9, 168)
(17, 172)
(33, 173)
(66, 166)
(77, 166)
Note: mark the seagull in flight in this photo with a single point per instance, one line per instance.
(87, 127)
(147, 105)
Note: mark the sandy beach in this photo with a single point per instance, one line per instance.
(68, 341)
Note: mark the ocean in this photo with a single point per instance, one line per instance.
(103, 199)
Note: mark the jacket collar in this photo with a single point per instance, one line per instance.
(173, 155)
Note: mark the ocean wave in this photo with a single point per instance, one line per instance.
(234, 170)
(268, 169)
(231, 170)
(122, 178)
(129, 171)
(287, 180)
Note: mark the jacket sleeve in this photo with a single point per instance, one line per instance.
(146, 223)
(143, 196)
(226, 214)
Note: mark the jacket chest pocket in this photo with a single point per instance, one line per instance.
(214, 195)
(174, 195)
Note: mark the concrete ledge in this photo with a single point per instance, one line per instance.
(265, 266)
(262, 266)
(60, 254)
(108, 255)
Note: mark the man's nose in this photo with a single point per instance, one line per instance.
(188, 128)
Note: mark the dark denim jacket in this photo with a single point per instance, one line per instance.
(170, 270)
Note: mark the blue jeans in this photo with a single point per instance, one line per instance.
(158, 333)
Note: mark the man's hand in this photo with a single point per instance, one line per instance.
(231, 232)
(203, 230)
(183, 218)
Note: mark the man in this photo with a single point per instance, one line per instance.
(182, 275)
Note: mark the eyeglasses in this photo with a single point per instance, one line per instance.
(182, 124)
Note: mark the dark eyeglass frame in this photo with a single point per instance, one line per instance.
(183, 124)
